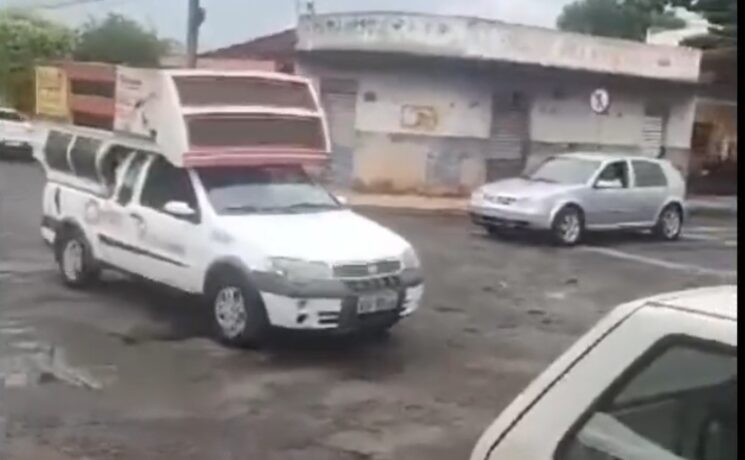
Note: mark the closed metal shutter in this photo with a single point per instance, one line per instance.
(652, 131)
(339, 101)
(509, 131)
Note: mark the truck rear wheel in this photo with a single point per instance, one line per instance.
(238, 312)
(75, 259)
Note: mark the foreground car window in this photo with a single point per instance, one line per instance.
(565, 171)
(233, 190)
(681, 403)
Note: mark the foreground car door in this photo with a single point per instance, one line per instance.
(633, 395)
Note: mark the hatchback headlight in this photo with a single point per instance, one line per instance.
(410, 259)
(300, 270)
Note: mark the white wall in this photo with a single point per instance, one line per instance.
(482, 39)
(568, 118)
(433, 105)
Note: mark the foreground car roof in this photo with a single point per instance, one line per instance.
(720, 301)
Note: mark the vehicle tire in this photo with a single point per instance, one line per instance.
(495, 231)
(568, 226)
(75, 260)
(669, 223)
(238, 312)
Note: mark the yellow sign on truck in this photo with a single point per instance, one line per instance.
(52, 93)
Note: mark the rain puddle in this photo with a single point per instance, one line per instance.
(25, 362)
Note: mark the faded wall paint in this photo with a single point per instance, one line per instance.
(456, 158)
(481, 39)
(563, 115)
(436, 105)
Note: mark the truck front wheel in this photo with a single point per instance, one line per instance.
(238, 311)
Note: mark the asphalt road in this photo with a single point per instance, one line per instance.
(129, 372)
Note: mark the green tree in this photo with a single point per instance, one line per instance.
(721, 15)
(26, 40)
(119, 40)
(616, 18)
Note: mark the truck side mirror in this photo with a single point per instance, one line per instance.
(179, 209)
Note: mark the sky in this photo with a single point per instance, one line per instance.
(235, 21)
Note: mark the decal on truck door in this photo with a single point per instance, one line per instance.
(107, 240)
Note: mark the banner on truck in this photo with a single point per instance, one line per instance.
(52, 93)
(136, 99)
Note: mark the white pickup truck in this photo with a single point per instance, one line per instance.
(252, 233)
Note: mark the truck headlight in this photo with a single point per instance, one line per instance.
(478, 195)
(410, 259)
(300, 270)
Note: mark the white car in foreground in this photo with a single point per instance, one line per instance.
(656, 379)
(16, 135)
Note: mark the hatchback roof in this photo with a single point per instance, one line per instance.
(605, 156)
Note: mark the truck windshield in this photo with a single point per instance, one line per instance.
(264, 189)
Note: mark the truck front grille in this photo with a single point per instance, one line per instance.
(366, 270)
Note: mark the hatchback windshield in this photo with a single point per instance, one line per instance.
(564, 171)
(266, 189)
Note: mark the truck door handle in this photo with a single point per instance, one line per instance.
(135, 216)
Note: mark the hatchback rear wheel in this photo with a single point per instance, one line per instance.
(669, 223)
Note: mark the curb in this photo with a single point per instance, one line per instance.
(411, 210)
(712, 211)
(695, 210)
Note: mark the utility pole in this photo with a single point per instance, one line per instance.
(195, 19)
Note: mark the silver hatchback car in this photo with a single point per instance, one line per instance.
(571, 193)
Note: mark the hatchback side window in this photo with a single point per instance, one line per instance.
(648, 174)
(678, 402)
(129, 181)
(166, 183)
(615, 174)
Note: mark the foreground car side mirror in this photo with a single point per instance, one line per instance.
(179, 209)
(342, 199)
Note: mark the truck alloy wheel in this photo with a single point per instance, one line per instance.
(238, 311)
(76, 263)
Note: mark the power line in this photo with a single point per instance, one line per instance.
(63, 4)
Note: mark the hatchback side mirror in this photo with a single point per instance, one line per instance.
(608, 184)
(179, 209)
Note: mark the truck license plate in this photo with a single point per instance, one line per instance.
(381, 301)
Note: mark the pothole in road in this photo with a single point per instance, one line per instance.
(25, 362)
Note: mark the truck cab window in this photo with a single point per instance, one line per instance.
(129, 181)
(166, 183)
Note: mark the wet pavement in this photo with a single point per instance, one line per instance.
(127, 371)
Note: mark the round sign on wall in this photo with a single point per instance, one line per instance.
(600, 100)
